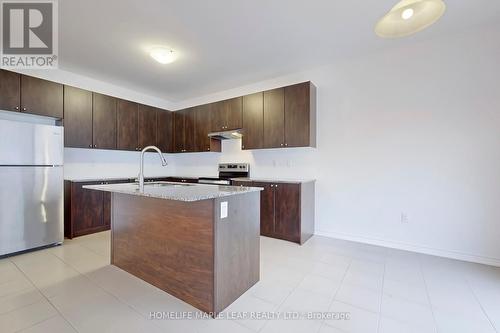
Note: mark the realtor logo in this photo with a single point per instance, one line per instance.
(29, 34)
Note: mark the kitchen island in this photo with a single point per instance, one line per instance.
(199, 243)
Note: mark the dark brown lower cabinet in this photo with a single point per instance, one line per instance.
(266, 209)
(86, 211)
(10, 91)
(286, 209)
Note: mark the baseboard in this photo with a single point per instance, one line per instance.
(412, 247)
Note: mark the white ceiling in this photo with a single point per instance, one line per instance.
(229, 43)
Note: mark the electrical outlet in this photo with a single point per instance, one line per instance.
(223, 209)
(404, 218)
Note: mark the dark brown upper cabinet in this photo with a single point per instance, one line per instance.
(203, 143)
(104, 121)
(77, 118)
(147, 126)
(253, 121)
(127, 129)
(165, 131)
(10, 91)
(184, 137)
(189, 131)
(227, 115)
(41, 97)
(300, 115)
(274, 118)
(179, 120)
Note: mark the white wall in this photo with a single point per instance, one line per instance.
(413, 130)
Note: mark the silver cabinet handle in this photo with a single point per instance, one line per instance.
(16, 108)
(24, 109)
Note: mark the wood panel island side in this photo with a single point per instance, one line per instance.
(199, 243)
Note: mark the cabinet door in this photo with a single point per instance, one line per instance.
(218, 117)
(77, 118)
(253, 121)
(10, 91)
(41, 97)
(274, 118)
(179, 120)
(165, 131)
(287, 211)
(297, 115)
(147, 126)
(104, 121)
(202, 127)
(86, 209)
(226, 115)
(127, 138)
(267, 207)
(189, 130)
(233, 113)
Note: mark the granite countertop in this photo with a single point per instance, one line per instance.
(109, 179)
(96, 179)
(176, 191)
(273, 180)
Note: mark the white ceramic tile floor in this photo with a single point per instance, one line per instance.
(72, 288)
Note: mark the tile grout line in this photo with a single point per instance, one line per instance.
(101, 288)
(427, 293)
(381, 298)
(480, 304)
(337, 291)
(46, 298)
(283, 301)
(86, 277)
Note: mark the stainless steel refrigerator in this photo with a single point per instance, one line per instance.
(31, 186)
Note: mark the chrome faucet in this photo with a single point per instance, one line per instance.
(141, 170)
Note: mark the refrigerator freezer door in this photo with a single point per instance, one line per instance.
(30, 144)
(31, 207)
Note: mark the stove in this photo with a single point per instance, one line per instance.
(226, 172)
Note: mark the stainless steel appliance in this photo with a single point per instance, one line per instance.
(31, 186)
(226, 172)
(226, 135)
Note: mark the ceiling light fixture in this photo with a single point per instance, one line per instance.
(163, 54)
(407, 13)
(409, 17)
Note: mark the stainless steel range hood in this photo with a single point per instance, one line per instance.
(226, 135)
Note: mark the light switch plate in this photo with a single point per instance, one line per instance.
(223, 209)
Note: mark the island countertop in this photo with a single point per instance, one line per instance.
(176, 191)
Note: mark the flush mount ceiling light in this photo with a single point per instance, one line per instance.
(409, 17)
(163, 54)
